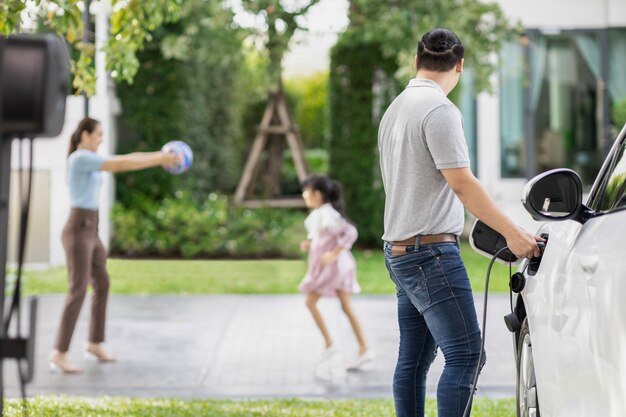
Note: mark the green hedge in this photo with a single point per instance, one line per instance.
(180, 227)
(354, 116)
(149, 107)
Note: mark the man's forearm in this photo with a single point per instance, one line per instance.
(477, 200)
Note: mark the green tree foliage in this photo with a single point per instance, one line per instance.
(11, 15)
(282, 20)
(619, 114)
(614, 191)
(379, 44)
(151, 110)
(131, 24)
(397, 26)
(353, 155)
(307, 96)
(211, 51)
(188, 88)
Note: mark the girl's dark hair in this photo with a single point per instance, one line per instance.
(331, 190)
(439, 50)
(88, 125)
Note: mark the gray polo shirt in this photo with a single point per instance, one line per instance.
(420, 134)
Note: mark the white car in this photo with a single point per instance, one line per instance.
(571, 336)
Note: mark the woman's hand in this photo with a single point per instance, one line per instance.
(305, 245)
(171, 159)
(329, 257)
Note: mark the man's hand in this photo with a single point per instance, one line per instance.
(305, 245)
(523, 244)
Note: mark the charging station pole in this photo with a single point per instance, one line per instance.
(5, 182)
(5, 173)
(45, 58)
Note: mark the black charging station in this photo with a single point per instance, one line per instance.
(34, 82)
(488, 242)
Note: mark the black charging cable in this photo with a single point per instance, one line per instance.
(21, 250)
(482, 339)
(468, 406)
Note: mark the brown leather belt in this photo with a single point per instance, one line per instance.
(400, 247)
(426, 239)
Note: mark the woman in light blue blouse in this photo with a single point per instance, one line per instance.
(84, 251)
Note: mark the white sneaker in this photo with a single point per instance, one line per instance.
(328, 352)
(361, 360)
(330, 367)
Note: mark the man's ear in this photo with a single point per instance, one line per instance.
(415, 63)
(459, 66)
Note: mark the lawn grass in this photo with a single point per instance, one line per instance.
(155, 276)
(53, 406)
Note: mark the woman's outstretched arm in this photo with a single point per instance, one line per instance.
(138, 160)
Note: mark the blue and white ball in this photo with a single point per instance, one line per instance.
(179, 147)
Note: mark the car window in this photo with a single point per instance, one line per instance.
(612, 194)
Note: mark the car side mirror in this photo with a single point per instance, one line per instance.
(554, 195)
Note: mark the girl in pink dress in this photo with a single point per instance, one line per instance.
(332, 268)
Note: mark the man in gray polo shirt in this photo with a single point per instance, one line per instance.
(425, 170)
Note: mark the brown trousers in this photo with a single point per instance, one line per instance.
(86, 263)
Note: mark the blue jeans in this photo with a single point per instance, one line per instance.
(435, 309)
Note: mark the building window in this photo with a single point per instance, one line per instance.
(512, 155)
(467, 105)
(551, 101)
(565, 121)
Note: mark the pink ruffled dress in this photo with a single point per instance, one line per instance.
(327, 229)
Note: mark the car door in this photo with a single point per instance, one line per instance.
(576, 303)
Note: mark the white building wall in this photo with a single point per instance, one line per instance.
(50, 154)
(105, 107)
(616, 13)
(566, 14)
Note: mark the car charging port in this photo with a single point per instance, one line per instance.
(533, 263)
(517, 282)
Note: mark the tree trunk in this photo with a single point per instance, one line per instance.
(273, 166)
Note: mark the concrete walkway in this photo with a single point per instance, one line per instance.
(234, 346)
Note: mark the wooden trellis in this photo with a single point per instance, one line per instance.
(277, 123)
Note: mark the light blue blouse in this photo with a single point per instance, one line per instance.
(84, 178)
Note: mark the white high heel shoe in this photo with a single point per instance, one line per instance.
(59, 363)
(97, 353)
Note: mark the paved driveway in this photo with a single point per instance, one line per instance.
(234, 346)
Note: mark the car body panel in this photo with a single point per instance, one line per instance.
(576, 305)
